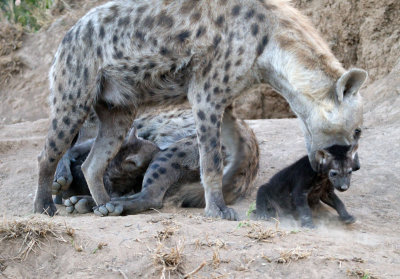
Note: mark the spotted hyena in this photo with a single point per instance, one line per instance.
(129, 54)
(298, 188)
(172, 170)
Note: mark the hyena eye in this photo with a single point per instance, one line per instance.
(333, 173)
(357, 133)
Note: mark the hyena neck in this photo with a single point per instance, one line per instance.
(298, 63)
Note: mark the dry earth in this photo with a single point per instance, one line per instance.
(129, 246)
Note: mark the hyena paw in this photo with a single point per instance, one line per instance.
(79, 205)
(262, 215)
(60, 183)
(45, 206)
(224, 213)
(307, 223)
(108, 209)
(265, 213)
(348, 219)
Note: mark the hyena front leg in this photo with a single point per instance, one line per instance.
(114, 125)
(208, 105)
(331, 199)
(64, 127)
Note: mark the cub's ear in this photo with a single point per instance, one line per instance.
(134, 160)
(132, 136)
(353, 156)
(355, 166)
(323, 158)
(349, 83)
(353, 151)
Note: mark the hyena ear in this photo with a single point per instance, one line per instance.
(322, 157)
(357, 134)
(349, 83)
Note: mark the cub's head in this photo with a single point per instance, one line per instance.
(338, 162)
(130, 164)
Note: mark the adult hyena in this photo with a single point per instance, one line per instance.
(127, 54)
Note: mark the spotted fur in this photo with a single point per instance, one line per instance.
(171, 172)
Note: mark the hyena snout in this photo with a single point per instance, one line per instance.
(344, 187)
(341, 185)
(340, 180)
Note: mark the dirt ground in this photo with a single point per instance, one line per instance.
(134, 246)
(371, 246)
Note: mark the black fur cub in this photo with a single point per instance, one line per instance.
(297, 188)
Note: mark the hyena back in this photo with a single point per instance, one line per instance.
(129, 54)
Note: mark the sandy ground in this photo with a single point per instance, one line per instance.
(371, 246)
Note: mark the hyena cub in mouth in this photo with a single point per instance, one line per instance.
(298, 188)
(162, 163)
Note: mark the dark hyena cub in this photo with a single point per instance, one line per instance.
(298, 187)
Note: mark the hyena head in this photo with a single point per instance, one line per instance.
(299, 65)
(338, 120)
(338, 162)
(126, 170)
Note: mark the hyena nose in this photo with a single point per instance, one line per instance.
(344, 187)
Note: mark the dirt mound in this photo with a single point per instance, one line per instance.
(262, 102)
(24, 96)
(10, 41)
(361, 33)
(382, 99)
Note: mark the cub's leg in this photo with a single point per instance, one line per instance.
(301, 206)
(331, 199)
(264, 208)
